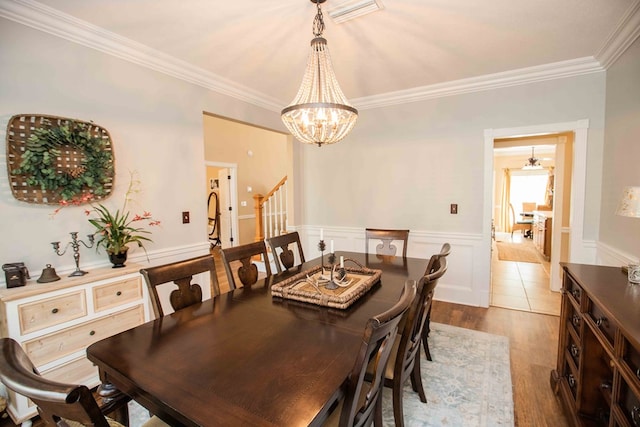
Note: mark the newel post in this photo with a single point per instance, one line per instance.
(258, 206)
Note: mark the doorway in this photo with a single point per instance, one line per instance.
(222, 226)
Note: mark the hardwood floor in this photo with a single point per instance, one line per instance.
(533, 347)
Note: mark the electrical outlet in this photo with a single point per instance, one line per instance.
(185, 217)
(454, 208)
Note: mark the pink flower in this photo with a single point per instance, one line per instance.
(87, 212)
(147, 214)
(137, 218)
(154, 223)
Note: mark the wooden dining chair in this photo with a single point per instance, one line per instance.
(362, 402)
(434, 265)
(286, 258)
(181, 274)
(247, 272)
(404, 362)
(521, 224)
(59, 404)
(385, 247)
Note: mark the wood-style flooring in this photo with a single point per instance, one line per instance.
(533, 349)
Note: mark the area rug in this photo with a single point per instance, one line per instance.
(468, 383)
(517, 252)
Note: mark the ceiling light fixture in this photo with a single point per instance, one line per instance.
(320, 113)
(532, 163)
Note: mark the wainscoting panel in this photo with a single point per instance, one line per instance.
(467, 278)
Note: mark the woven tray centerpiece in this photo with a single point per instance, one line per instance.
(309, 286)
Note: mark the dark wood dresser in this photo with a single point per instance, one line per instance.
(598, 372)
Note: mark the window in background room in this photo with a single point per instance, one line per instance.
(527, 186)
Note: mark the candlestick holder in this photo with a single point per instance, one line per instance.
(75, 244)
(332, 284)
(321, 248)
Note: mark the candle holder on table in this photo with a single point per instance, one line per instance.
(75, 244)
(332, 284)
(321, 248)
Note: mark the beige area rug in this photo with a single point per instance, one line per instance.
(517, 252)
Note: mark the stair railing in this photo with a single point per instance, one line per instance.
(271, 211)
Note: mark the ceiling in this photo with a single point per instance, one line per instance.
(260, 47)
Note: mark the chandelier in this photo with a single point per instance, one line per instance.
(320, 113)
(532, 163)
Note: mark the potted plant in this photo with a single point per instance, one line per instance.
(116, 230)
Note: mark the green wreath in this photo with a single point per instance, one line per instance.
(43, 148)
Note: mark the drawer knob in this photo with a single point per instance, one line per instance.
(92, 333)
(575, 351)
(571, 380)
(575, 319)
(635, 416)
(576, 293)
(602, 321)
(638, 373)
(54, 311)
(118, 293)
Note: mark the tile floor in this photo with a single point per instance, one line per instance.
(522, 285)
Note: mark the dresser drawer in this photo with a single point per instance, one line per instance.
(78, 371)
(573, 290)
(52, 311)
(574, 320)
(54, 346)
(118, 293)
(573, 350)
(631, 358)
(606, 326)
(630, 405)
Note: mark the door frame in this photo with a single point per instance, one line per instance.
(233, 194)
(577, 251)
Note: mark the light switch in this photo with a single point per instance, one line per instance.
(249, 189)
(243, 203)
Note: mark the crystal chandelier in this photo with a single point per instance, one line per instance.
(320, 113)
(532, 163)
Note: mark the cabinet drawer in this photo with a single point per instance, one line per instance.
(115, 294)
(51, 311)
(573, 290)
(606, 326)
(631, 358)
(572, 380)
(630, 404)
(573, 349)
(54, 346)
(574, 320)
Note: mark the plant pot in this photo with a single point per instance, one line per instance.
(118, 259)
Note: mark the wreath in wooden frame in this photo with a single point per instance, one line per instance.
(52, 159)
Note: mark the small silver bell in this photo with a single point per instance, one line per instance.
(48, 275)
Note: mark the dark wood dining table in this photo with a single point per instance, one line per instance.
(247, 358)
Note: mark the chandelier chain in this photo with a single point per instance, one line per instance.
(318, 22)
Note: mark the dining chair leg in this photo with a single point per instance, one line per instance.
(398, 413)
(416, 381)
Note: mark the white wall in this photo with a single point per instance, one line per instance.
(621, 156)
(156, 125)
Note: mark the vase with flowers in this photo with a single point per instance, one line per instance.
(116, 230)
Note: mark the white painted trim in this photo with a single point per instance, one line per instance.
(580, 251)
(243, 217)
(621, 38)
(52, 21)
(556, 70)
(608, 255)
(462, 284)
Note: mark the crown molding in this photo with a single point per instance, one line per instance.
(621, 37)
(44, 18)
(556, 70)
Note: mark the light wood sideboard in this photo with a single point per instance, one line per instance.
(597, 375)
(55, 323)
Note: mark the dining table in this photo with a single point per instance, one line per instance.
(249, 358)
